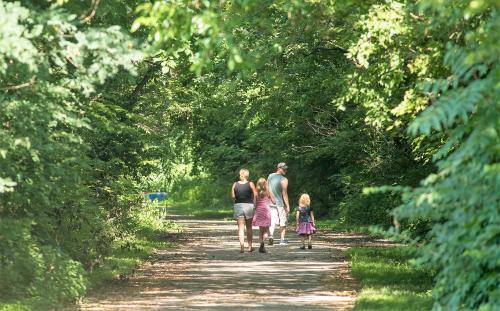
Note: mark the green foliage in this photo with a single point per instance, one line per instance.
(71, 149)
(202, 197)
(127, 253)
(283, 104)
(30, 267)
(462, 197)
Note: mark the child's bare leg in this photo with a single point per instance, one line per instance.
(309, 239)
(262, 236)
(302, 238)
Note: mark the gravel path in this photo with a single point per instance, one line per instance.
(207, 272)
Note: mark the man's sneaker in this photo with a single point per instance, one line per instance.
(271, 241)
(283, 242)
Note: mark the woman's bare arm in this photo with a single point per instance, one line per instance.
(254, 190)
(233, 196)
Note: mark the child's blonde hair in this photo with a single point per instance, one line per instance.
(305, 200)
(261, 187)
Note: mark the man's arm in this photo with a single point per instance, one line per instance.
(284, 191)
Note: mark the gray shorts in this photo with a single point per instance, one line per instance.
(243, 210)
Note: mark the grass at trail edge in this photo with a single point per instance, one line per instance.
(213, 211)
(126, 254)
(389, 281)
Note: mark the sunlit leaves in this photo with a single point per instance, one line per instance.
(7, 185)
(391, 53)
(50, 181)
(454, 104)
(465, 198)
(16, 47)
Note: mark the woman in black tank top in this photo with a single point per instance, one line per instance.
(244, 193)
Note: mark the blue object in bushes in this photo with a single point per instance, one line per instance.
(160, 196)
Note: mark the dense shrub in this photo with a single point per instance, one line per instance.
(462, 198)
(69, 158)
(33, 271)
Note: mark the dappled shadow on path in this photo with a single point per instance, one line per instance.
(207, 272)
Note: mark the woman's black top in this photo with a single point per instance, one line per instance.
(243, 193)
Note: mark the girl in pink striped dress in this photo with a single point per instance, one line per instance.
(262, 215)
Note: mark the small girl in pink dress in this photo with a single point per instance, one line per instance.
(305, 220)
(262, 215)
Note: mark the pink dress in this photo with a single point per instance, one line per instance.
(305, 225)
(262, 215)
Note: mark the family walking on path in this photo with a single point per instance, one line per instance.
(266, 205)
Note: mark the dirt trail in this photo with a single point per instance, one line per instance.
(207, 272)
